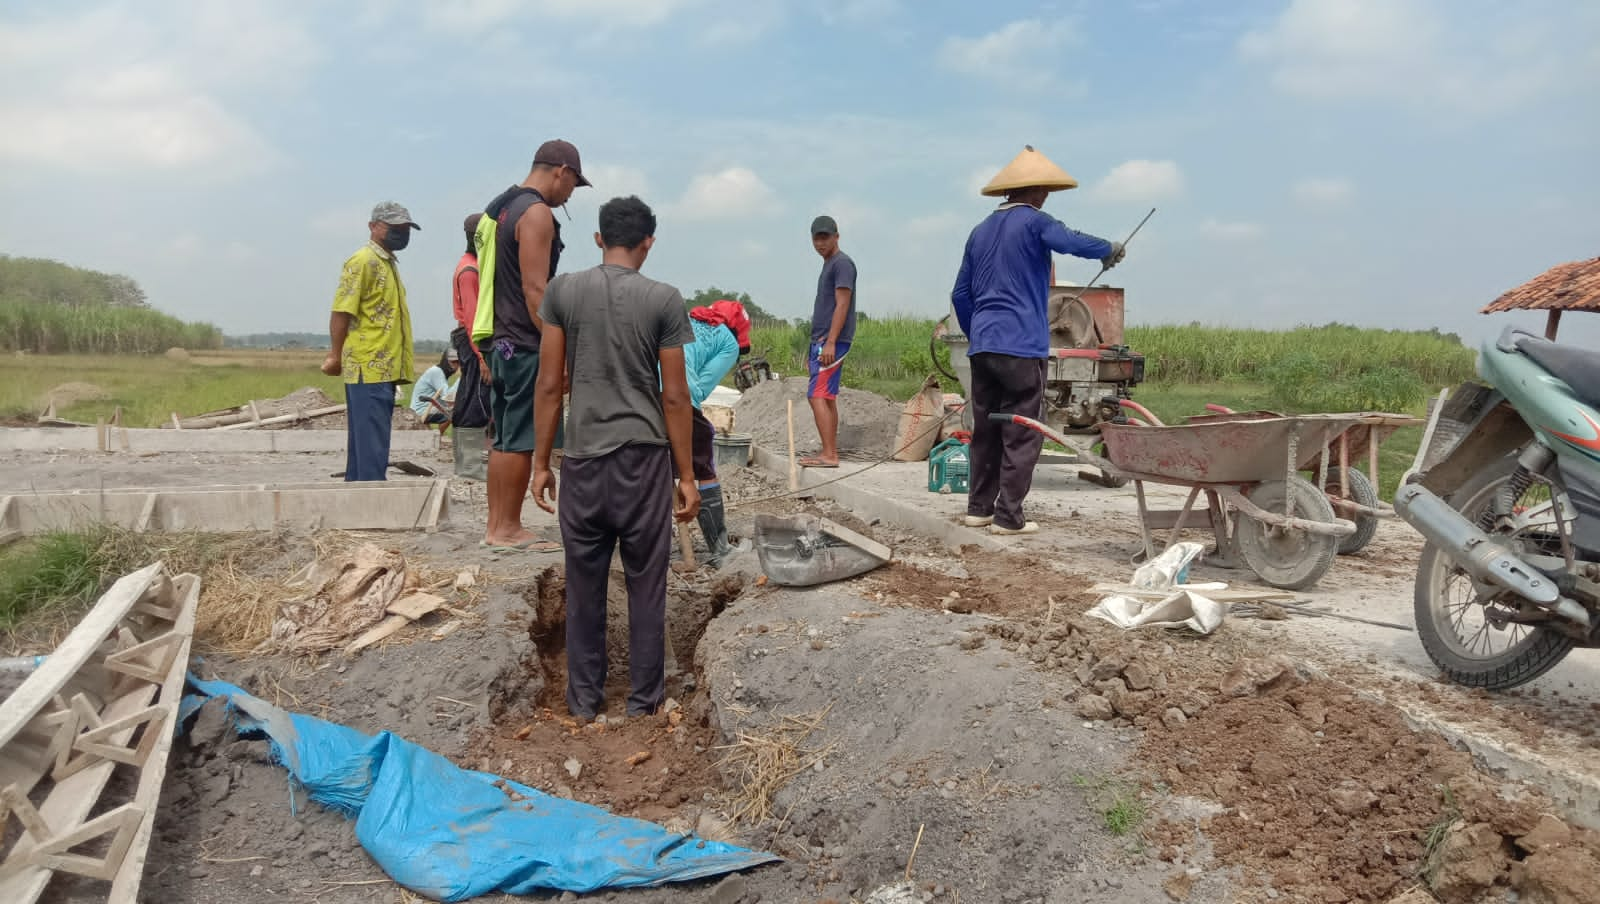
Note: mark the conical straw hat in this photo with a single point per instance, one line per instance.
(1030, 169)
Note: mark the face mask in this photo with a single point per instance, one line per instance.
(397, 237)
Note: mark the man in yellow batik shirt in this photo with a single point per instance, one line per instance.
(371, 333)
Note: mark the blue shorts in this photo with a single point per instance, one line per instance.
(825, 385)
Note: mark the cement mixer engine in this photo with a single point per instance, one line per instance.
(1089, 370)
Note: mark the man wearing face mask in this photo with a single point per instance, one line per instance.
(519, 246)
(370, 331)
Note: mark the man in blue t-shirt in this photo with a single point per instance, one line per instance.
(833, 328)
(1001, 299)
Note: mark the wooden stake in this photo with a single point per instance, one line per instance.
(686, 545)
(914, 845)
(175, 424)
(794, 467)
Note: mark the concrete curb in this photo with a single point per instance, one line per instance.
(871, 506)
(144, 440)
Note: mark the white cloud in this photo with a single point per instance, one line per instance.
(745, 24)
(934, 225)
(857, 12)
(478, 16)
(729, 194)
(116, 91)
(1322, 192)
(1419, 52)
(1141, 180)
(348, 221)
(1230, 231)
(1019, 53)
(615, 181)
(754, 248)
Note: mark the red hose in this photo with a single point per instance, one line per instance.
(1131, 405)
(1218, 409)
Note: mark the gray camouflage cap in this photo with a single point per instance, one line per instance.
(393, 214)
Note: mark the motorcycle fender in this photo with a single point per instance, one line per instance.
(1499, 432)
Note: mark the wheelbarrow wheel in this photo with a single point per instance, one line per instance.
(1290, 559)
(1361, 493)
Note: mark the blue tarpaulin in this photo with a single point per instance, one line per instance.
(451, 833)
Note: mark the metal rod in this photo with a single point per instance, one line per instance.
(1188, 505)
(1104, 268)
(1294, 465)
(1144, 521)
(1344, 465)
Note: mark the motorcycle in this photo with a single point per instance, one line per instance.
(1508, 498)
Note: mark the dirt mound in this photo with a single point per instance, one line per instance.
(867, 420)
(72, 393)
(1009, 585)
(654, 767)
(1321, 794)
(177, 355)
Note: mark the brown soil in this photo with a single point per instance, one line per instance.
(996, 584)
(657, 767)
(1324, 794)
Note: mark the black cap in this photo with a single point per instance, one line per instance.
(824, 224)
(561, 153)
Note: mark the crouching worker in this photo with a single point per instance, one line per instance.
(431, 397)
(628, 433)
(721, 335)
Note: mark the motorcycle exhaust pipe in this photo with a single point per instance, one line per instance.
(1477, 552)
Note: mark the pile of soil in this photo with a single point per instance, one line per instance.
(72, 393)
(867, 421)
(1318, 793)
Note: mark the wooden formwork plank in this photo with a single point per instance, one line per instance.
(48, 680)
(125, 885)
(59, 824)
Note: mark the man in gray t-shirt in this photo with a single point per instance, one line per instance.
(629, 425)
(833, 328)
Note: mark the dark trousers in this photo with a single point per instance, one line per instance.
(703, 448)
(472, 394)
(625, 496)
(1003, 455)
(368, 417)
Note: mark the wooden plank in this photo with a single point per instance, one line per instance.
(147, 514)
(48, 679)
(376, 634)
(69, 802)
(415, 605)
(125, 885)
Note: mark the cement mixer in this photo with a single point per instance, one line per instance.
(1090, 369)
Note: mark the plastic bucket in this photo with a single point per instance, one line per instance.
(732, 450)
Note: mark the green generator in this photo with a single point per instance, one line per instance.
(948, 467)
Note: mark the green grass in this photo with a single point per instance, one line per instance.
(48, 572)
(59, 572)
(150, 387)
(46, 328)
(1118, 803)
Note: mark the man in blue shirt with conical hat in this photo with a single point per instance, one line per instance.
(1002, 300)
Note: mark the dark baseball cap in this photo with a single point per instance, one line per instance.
(824, 224)
(561, 153)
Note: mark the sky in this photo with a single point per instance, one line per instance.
(1393, 163)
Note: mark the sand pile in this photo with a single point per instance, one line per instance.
(866, 420)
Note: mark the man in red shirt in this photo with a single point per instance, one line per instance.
(472, 392)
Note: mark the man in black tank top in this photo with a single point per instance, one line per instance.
(527, 251)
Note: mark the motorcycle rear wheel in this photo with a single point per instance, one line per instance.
(1451, 622)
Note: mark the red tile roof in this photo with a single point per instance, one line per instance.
(1569, 287)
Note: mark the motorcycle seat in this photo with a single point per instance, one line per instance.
(1577, 367)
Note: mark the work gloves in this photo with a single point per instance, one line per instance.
(1115, 257)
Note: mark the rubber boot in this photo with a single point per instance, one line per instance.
(712, 525)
